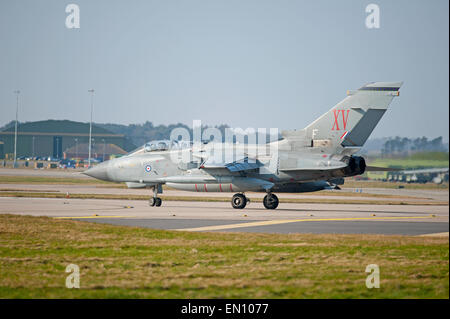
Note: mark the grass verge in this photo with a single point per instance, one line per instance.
(131, 262)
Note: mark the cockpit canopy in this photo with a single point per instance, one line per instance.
(156, 146)
(161, 145)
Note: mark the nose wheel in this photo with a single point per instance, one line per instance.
(155, 201)
(239, 201)
(270, 201)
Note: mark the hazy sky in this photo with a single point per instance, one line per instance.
(244, 63)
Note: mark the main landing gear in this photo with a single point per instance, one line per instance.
(239, 201)
(270, 201)
(155, 200)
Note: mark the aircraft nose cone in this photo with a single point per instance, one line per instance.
(100, 172)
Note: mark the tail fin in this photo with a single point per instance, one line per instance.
(352, 120)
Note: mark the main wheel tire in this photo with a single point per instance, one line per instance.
(158, 202)
(152, 201)
(270, 201)
(238, 201)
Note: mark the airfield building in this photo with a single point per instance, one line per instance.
(54, 137)
(102, 150)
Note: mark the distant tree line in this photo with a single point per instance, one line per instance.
(403, 145)
(139, 134)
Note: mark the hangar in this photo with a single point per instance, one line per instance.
(102, 150)
(54, 137)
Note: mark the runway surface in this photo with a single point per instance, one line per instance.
(344, 194)
(219, 216)
(58, 173)
(114, 188)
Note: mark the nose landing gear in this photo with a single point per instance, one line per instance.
(155, 200)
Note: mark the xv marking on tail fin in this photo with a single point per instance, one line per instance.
(336, 119)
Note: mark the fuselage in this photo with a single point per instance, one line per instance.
(184, 169)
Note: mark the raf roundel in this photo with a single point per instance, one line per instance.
(148, 168)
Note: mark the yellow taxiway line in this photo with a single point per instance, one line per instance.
(445, 234)
(286, 221)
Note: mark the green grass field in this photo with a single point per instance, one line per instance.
(410, 163)
(415, 161)
(129, 262)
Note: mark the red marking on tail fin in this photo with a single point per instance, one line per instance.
(336, 119)
(344, 120)
(336, 124)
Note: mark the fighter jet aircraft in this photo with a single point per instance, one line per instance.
(311, 159)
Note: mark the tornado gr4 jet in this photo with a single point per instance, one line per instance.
(311, 159)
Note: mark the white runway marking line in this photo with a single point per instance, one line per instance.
(286, 221)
